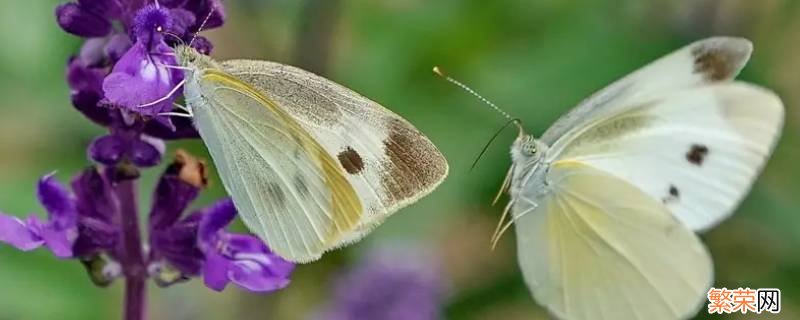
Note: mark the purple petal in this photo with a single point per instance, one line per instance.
(250, 263)
(91, 53)
(95, 198)
(255, 277)
(87, 90)
(58, 202)
(86, 102)
(201, 10)
(108, 149)
(75, 19)
(59, 240)
(184, 129)
(144, 154)
(172, 3)
(116, 47)
(13, 231)
(257, 268)
(202, 45)
(215, 219)
(95, 236)
(140, 78)
(104, 8)
(215, 271)
(247, 247)
(178, 245)
(171, 198)
(83, 78)
(182, 20)
(393, 283)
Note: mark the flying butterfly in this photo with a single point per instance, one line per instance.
(606, 203)
(311, 165)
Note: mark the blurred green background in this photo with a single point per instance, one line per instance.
(536, 59)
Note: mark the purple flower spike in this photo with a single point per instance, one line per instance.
(81, 21)
(392, 283)
(140, 82)
(241, 259)
(58, 233)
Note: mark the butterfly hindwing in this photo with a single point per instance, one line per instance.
(388, 162)
(597, 247)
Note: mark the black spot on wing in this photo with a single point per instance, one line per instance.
(697, 154)
(351, 161)
(673, 194)
(673, 191)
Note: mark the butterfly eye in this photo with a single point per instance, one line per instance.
(529, 147)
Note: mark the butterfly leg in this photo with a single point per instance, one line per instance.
(176, 114)
(498, 234)
(184, 108)
(165, 97)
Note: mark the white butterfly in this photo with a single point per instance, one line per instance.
(311, 165)
(607, 202)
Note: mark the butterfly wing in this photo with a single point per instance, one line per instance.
(388, 162)
(698, 150)
(597, 247)
(287, 188)
(697, 145)
(706, 61)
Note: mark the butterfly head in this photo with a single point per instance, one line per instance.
(189, 57)
(526, 149)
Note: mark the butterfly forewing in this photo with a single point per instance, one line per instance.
(287, 188)
(697, 150)
(706, 61)
(588, 252)
(389, 163)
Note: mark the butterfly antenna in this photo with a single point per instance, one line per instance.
(486, 146)
(511, 119)
(203, 24)
(439, 72)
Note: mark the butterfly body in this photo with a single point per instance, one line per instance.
(607, 202)
(311, 165)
